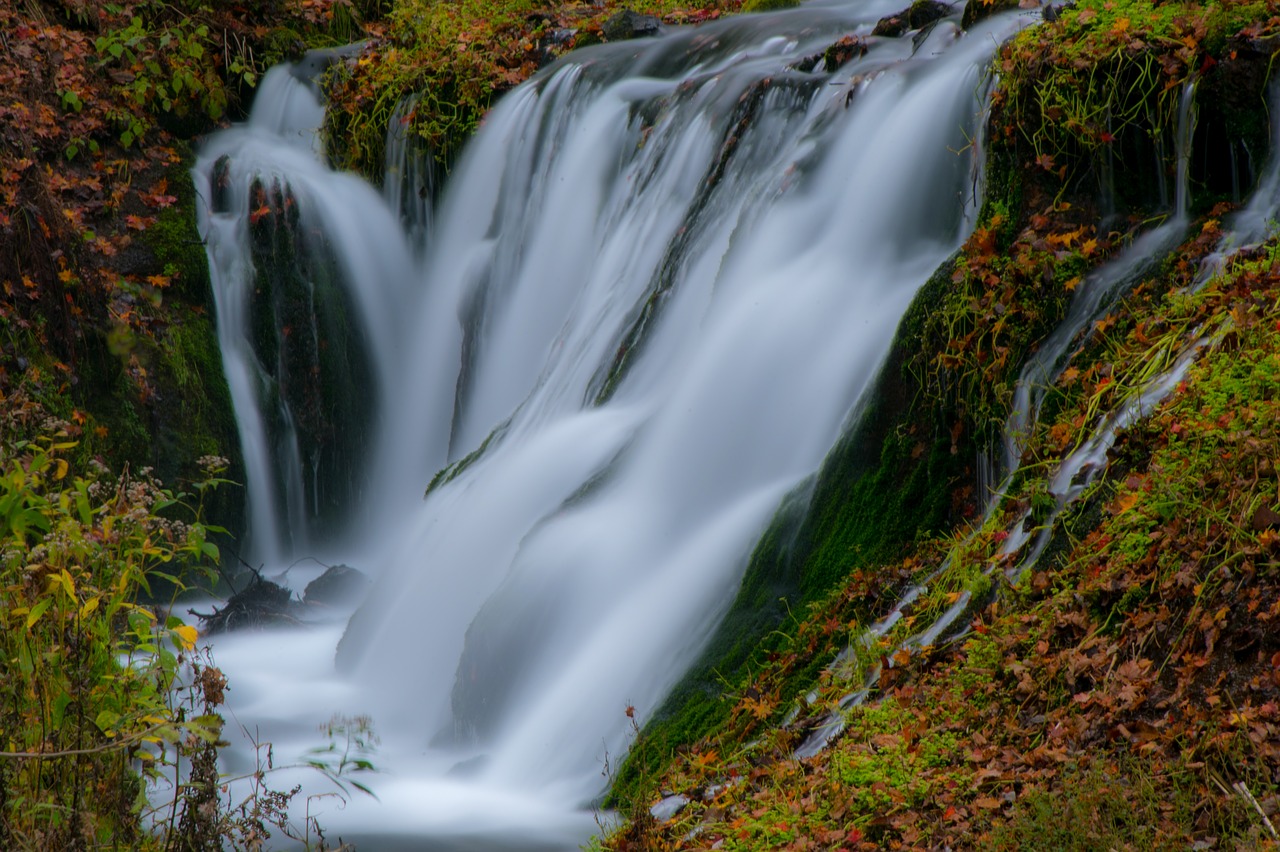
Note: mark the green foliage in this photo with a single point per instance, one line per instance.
(91, 667)
(102, 690)
(768, 5)
(457, 58)
(351, 743)
(166, 68)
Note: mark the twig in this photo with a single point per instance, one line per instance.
(1240, 788)
(29, 755)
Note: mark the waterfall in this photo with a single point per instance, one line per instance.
(1257, 219)
(658, 282)
(309, 271)
(1098, 292)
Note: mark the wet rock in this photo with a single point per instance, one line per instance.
(980, 10)
(555, 43)
(919, 14)
(838, 54)
(807, 64)
(629, 24)
(221, 189)
(337, 586)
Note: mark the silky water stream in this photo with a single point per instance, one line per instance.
(657, 283)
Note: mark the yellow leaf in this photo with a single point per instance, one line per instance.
(1072, 284)
(90, 606)
(187, 635)
(1127, 501)
(62, 469)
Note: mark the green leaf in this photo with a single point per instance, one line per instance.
(207, 727)
(37, 611)
(60, 707)
(362, 788)
(106, 722)
(82, 505)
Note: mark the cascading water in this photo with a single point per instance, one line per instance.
(1257, 219)
(1096, 293)
(660, 279)
(308, 269)
(1025, 541)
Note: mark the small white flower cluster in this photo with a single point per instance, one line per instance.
(213, 464)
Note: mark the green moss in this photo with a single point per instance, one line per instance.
(1095, 94)
(768, 5)
(175, 241)
(186, 411)
(887, 483)
(457, 58)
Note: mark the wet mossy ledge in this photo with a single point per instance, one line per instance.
(1084, 100)
(455, 59)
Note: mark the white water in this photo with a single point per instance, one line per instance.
(1025, 541)
(280, 142)
(1257, 220)
(579, 562)
(1096, 293)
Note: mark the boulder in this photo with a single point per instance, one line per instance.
(337, 586)
(629, 24)
(842, 52)
(919, 14)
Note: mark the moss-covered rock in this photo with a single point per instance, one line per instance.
(319, 387)
(768, 5)
(919, 14)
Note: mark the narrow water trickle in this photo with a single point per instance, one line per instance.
(1095, 294)
(1025, 541)
(657, 283)
(1258, 218)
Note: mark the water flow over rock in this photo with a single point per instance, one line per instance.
(308, 269)
(661, 277)
(1098, 291)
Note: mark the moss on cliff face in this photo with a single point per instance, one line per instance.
(156, 396)
(458, 58)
